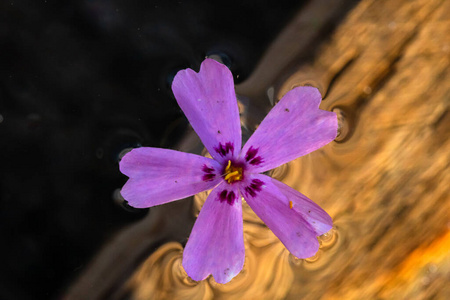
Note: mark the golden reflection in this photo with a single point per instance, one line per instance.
(385, 181)
(162, 277)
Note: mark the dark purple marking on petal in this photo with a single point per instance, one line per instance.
(227, 196)
(230, 147)
(255, 186)
(230, 198)
(207, 169)
(256, 161)
(223, 150)
(251, 152)
(209, 173)
(223, 195)
(251, 157)
(249, 191)
(208, 177)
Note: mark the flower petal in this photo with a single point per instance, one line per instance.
(296, 227)
(216, 244)
(209, 102)
(294, 127)
(159, 176)
(312, 213)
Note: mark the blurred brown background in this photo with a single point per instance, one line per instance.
(385, 70)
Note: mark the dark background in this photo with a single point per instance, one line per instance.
(79, 82)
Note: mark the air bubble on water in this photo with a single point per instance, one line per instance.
(221, 57)
(270, 94)
(343, 126)
(123, 152)
(117, 197)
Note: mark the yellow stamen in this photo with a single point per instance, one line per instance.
(232, 173)
(290, 204)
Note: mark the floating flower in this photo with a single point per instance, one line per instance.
(294, 127)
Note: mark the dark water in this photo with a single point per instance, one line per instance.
(79, 82)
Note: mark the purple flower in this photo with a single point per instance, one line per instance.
(294, 127)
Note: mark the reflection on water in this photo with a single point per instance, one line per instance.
(384, 180)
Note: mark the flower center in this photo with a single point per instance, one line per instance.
(232, 173)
